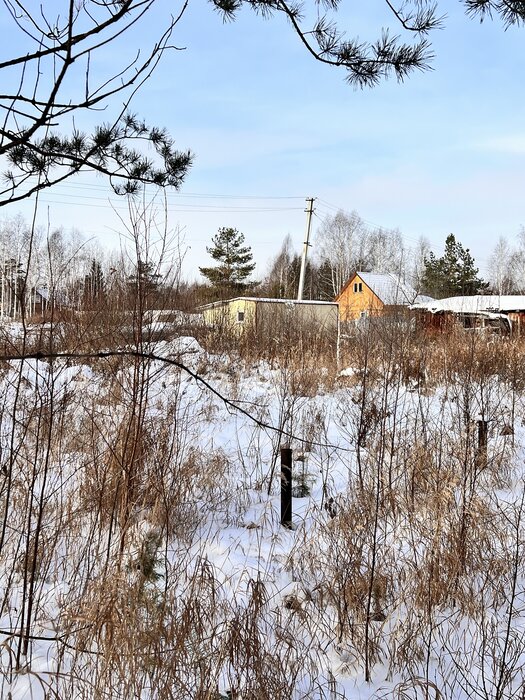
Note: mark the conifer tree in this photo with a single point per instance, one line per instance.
(235, 261)
(94, 283)
(453, 274)
(144, 285)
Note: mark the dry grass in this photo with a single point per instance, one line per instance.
(109, 496)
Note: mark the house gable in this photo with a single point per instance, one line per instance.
(358, 299)
(367, 293)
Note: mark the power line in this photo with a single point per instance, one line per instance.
(175, 194)
(333, 208)
(177, 205)
(483, 263)
(181, 208)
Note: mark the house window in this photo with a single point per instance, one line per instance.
(358, 287)
(363, 314)
(240, 316)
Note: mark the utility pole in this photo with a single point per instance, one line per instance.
(309, 211)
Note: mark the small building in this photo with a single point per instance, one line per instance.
(38, 300)
(370, 294)
(13, 301)
(270, 315)
(502, 313)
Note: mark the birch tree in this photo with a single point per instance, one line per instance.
(500, 268)
(341, 242)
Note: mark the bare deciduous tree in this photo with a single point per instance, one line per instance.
(419, 254)
(518, 263)
(347, 245)
(500, 268)
(280, 279)
(341, 242)
(386, 251)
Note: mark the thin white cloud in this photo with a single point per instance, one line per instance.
(510, 144)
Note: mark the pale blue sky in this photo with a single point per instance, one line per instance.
(443, 152)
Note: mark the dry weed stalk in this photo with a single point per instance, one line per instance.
(109, 498)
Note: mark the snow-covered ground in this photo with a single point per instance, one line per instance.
(142, 554)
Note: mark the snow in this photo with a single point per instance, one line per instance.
(391, 289)
(225, 530)
(268, 300)
(475, 303)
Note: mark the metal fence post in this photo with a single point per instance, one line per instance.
(286, 487)
(483, 432)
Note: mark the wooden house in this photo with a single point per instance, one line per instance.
(370, 294)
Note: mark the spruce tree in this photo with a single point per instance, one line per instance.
(453, 274)
(94, 283)
(235, 262)
(144, 285)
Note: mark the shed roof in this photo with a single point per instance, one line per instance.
(267, 300)
(475, 304)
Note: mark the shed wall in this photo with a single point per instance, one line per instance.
(319, 317)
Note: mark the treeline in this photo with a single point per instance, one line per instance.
(45, 272)
(42, 271)
(345, 244)
(506, 265)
